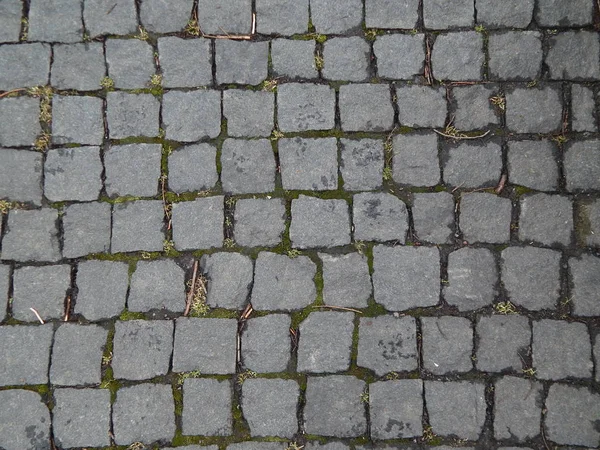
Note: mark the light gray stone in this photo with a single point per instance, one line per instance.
(319, 223)
(533, 110)
(590, 215)
(207, 407)
(303, 106)
(346, 280)
(238, 103)
(77, 119)
(574, 55)
(10, 20)
(391, 14)
(551, 13)
(225, 17)
(547, 219)
(25, 354)
(266, 343)
(86, 229)
(396, 409)
(474, 109)
(132, 169)
(433, 217)
(193, 168)
(138, 226)
(415, 161)
(165, 16)
(513, 14)
(31, 236)
(229, 278)
(366, 107)
(73, 174)
(248, 167)
(21, 175)
(597, 355)
(157, 285)
(24, 65)
(515, 55)
(132, 115)
(5, 275)
(533, 164)
(584, 276)
(192, 116)
(583, 108)
(130, 63)
(447, 344)
(24, 421)
(103, 17)
(20, 124)
(438, 14)
(400, 56)
(346, 58)
(517, 408)
(241, 62)
(102, 287)
(259, 222)
(432, 108)
(458, 56)
(43, 288)
(55, 21)
(335, 17)
(309, 164)
(473, 166)
(361, 164)
(176, 54)
(87, 57)
(379, 217)
(293, 58)
(485, 218)
(198, 224)
(582, 166)
(503, 343)
(283, 18)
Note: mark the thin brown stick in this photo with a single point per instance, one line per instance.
(338, 307)
(67, 309)
(190, 297)
(247, 311)
(501, 184)
(544, 438)
(449, 136)
(37, 315)
(10, 92)
(242, 37)
(253, 23)
(427, 71)
(457, 188)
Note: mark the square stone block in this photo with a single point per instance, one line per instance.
(379, 217)
(582, 166)
(130, 63)
(193, 168)
(282, 18)
(191, 116)
(31, 236)
(346, 280)
(229, 277)
(19, 120)
(236, 105)
(132, 115)
(366, 107)
(157, 285)
(266, 343)
(100, 19)
(293, 59)
(73, 174)
(309, 164)
(22, 413)
(77, 119)
(241, 62)
(513, 14)
(24, 65)
(473, 166)
(198, 224)
(400, 56)
(132, 170)
(138, 226)
(361, 164)
(547, 219)
(304, 106)
(259, 222)
(438, 14)
(485, 218)
(391, 14)
(248, 167)
(56, 21)
(319, 223)
(21, 176)
(458, 56)
(86, 229)
(25, 354)
(336, 17)
(175, 55)
(159, 16)
(396, 409)
(584, 276)
(102, 289)
(474, 110)
(346, 58)
(432, 108)
(515, 55)
(531, 110)
(533, 164)
(207, 407)
(433, 217)
(225, 17)
(415, 161)
(503, 343)
(87, 57)
(43, 288)
(447, 344)
(517, 408)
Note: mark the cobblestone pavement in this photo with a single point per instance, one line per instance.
(294, 224)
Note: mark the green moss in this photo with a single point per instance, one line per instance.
(362, 373)
(241, 430)
(221, 313)
(130, 315)
(374, 310)
(404, 130)
(299, 316)
(522, 190)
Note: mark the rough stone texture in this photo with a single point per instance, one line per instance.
(25, 355)
(576, 12)
(207, 345)
(282, 18)
(87, 57)
(326, 397)
(143, 413)
(533, 110)
(55, 21)
(406, 277)
(574, 55)
(266, 344)
(43, 288)
(391, 14)
(590, 212)
(102, 288)
(225, 17)
(198, 224)
(346, 280)
(132, 115)
(241, 62)
(336, 329)
(137, 226)
(473, 166)
(515, 55)
(236, 105)
(572, 416)
(5, 274)
(336, 17)
(432, 108)
(157, 285)
(387, 344)
(73, 174)
(309, 164)
(130, 63)
(132, 169)
(24, 421)
(283, 283)
(10, 20)
(472, 277)
(193, 168)
(315, 445)
(458, 56)
(597, 355)
(259, 222)
(294, 59)
(24, 65)
(531, 276)
(256, 445)
(533, 164)
(361, 164)
(81, 417)
(433, 217)
(456, 408)
(269, 407)
(584, 276)
(77, 354)
(346, 58)
(582, 166)
(547, 219)
(319, 223)
(229, 278)
(415, 160)
(512, 14)
(20, 124)
(100, 19)
(21, 175)
(517, 408)
(207, 407)
(503, 342)
(176, 54)
(474, 110)
(583, 108)
(366, 107)
(302, 107)
(31, 236)
(438, 14)
(248, 166)
(165, 16)
(379, 217)
(396, 409)
(561, 350)
(485, 218)
(86, 229)
(447, 344)
(77, 119)
(191, 116)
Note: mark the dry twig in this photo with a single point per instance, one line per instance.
(4, 94)
(67, 309)
(462, 136)
(501, 184)
(190, 297)
(37, 315)
(342, 308)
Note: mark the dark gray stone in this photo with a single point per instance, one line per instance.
(302, 107)
(132, 115)
(77, 119)
(533, 164)
(379, 217)
(400, 56)
(25, 354)
(582, 166)
(547, 219)
(561, 350)
(319, 223)
(346, 58)
(416, 160)
(73, 174)
(103, 17)
(473, 107)
(225, 17)
(81, 417)
(283, 283)
(56, 21)
(432, 108)
(472, 277)
(433, 217)
(597, 355)
(406, 277)
(315, 445)
(591, 213)
(283, 18)
(248, 166)
(513, 14)
(447, 344)
(176, 55)
(102, 288)
(458, 56)
(162, 16)
(24, 65)
(138, 226)
(366, 107)
(191, 116)
(533, 110)
(207, 345)
(241, 62)
(25, 421)
(326, 397)
(193, 168)
(551, 13)
(21, 175)
(266, 343)
(130, 63)
(396, 409)
(531, 276)
(456, 408)
(515, 55)
(473, 166)
(346, 280)
(31, 236)
(132, 169)
(207, 407)
(391, 14)
(438, 14)
(259, 222)
(362, 164)
(238, 103)
(517, 408)
(10, 20)
(198, 224)
(43, 288)
(143, 413)
(574, 55)
(335, 328)
(583, 108)
(229, 278)
(5, 274)
(485, 218)
(87, 57)
(255, 445)
(20, 123)
(157, 285)
(309, 164)
(503, 342)
(293, 58)
(584, 276)
(269, 407)
(335, 17)
(86, 229)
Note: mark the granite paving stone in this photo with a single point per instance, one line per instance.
(237, 103)
(515, 55)
(77, 119)
(87, 57)
(517, 408)
(346, 59)
(584, 276)
(229, 278)
(366, 107)
(137, 226)
(346, 280)
(21, 175)
(400, 56)
(20, 124)
(458, 56)
(309, 164)
(24, 65)
(474, 110)
(191, 116)
(597, 355)
(73, 174)
(132, 169)
(503, 343)
(305, 106)
(472, 165)
(433, 217)
(225, 17)
(175, 56)
(379, 217)
(198, 224)
(485, 218)
(56, 21)
(513, 14)
(160, 16)
(207, 407)
(282, 18)
(102, 17)
(132, 115)
(447, 344)
(10, 20)
(583, 108)
(532, 164)
(415, 161)
(438, 14)
(248, 167)
(241, 62)
(130, 63)
(24, 421)
(86, 229)
(391, 14)
(591, 213)
(193, 168)
(259, 222)
(256, 445)
(361, 164)
(336, 17)
(547, 219)
(533, 110)
(266, 344)
(333, 445)
(396, 409)
(574, 55)
(432, 108)
(43, 288)
(319, 223)
(157, 285)
(102, 287)
(31, 236)
(5, 278)
(293, 58)
(25, 353)
(578, 12)
(582, 166)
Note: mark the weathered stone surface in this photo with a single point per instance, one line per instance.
(102, 289)
(590, 233)
(162, 16)
(396, 409)
(319, 223)
(259, 222)
(302, 107)
(399, 56)
(132, 169)
(87, 57)
(346, 58)
(132, 115)
(241, 62)
(207, 407)
(583, 108)
(138, 226)
(366, 107)
(438, 14)
(283, 18)
(157, 285)
(433, 217)
(56, 21)
(25, 353)
(512, 14)
(266, 343)
(103, 17)
(198, 224)
(415, 160)
(225, 17)
(236, 105)
(485, 218)
(379, 217)
(31, 236)
(582, 166)
(130, 63)
(547, 219)
(24, 65)
(43, 288)
(20, 123)
(533, 110)
(584, 276)
(73, 174)
(362, 163)
(474, 110)
(309, 164)
(391, 14)
(503, 343)
(447, 344)
(432, 108)
(517, 408)
(24, 421)
(336, 17)
(346, 280)
(248, 167)
(193, 168)
(10, 20)
(21, 175)
(192, 116)
(229, 278)
(294, 59)
(5, 278)
(515, 55)
(473, 166)
(551, 13)
(573, 55)
(458, 56)
(175, 55)
(533, 164)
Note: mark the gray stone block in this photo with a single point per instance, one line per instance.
(391, 14)
(87, 57)
(335, 328)
(269, 406)
(597, 355)
(458, 56)
(132, 115)
(86, 229)
(25, 354)
(160, 16)
(572, 56)
(283, 283)
(533, 164)
(5, 275)
(551, 13)
(191, 116)
(472, 277)
(336, 17)
(132, 169)
(485, 218)
(406, 277)
(415, 160)
(207, 345)
(282, 18)
(20, 122)
(473, 166)
(25, 421)
(10, 20)
(547, 219)
(531, 276)
(225, 17)
(438, 14)
(533, 110)
(315, 445)
(248, 113)
(31, 236)
(81, 417)
(266, 343)
(176, 55)
(326, 397)
(21, 176)
(361, 164)
(309, 164)
(583, 108)
(102, 17)
(241, 62)
(319, 223)
(503, 343)
(366, 107)
(157, 285)
(143, 413)
(24, 65)
(302, 107)
(346, 58)
(433, 217)
(513, 14)
(379, 217)
(73, 174)
(447, 344)
(248, 167)
(259, 222)
(515, 55)
(432, 108)
(207, 407)
(584, 276)
(346, 280)
(102, 289)
(43, 288)
(582, 166)
(193, 168)
(256, 445)
(473, 107)
(229, 278)
(293, 58)
(517, 408)
(198, 224)
(561, 350)
(396, 409)
(400, 56)
(56, 21)
(138, 226)
(590, 234)
(130, 63)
